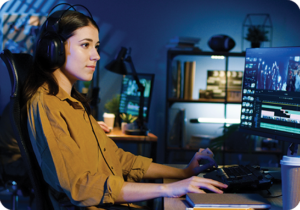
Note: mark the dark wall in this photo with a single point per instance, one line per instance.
(146, 27)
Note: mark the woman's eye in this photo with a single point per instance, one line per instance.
(85, 45)
(97, 47)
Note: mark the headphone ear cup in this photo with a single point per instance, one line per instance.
(50, 51)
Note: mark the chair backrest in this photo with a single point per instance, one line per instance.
(18, 66)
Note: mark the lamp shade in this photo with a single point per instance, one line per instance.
(117, 65)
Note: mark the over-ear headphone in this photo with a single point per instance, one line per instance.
(50, 44)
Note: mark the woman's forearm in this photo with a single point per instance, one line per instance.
(134, 192)
(159, 171)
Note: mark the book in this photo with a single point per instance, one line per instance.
(186, 40)
(227, 200)
(178, 82)
(189, 78)
(182, 46)
(176, 127)
(176, 79)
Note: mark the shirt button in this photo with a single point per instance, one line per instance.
(112, 167)
(104, 149)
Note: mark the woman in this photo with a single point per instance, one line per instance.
(75, 155)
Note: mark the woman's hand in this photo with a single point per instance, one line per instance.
(194, 168)
(103, 126)
(193, 185)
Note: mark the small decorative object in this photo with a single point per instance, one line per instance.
(184, 43)
(127, 123)
(221, 43)
(254, 23)
(208, 94)
(256, 34)
(126, 126)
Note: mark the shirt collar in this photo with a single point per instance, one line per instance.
(64, 96)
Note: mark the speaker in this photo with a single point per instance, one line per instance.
(221, 43)
(50, 48)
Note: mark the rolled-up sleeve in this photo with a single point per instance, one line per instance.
(68, 154)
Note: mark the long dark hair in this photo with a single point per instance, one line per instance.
(40, 74)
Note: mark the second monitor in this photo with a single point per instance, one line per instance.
(130, 96)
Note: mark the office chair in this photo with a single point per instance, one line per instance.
(18, 65)
(11, 187)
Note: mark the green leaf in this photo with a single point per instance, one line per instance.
(128, 118)
(257, 33)
(112, 106)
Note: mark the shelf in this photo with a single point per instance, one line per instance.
(171, 54)
(174, 52)
(203, 100)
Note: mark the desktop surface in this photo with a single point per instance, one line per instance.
(181, 204)
(117, 135)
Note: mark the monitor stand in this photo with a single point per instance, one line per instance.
(138, 132)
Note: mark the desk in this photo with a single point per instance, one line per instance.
(181, 204)
(117, 135)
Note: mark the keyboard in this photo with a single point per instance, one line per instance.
(242, 178)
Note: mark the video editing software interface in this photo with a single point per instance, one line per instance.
(130, 96)
(271, 93)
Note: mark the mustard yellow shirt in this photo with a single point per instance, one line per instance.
(76, 158)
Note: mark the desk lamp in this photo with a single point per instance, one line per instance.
(118, 66)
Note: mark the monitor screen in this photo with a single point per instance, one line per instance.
(130, 96)
(271, 93)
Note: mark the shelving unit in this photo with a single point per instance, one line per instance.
(171, 54)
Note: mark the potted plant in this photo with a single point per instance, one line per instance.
(85, 88)
(127, 120)
(256, 34)
(112, 106)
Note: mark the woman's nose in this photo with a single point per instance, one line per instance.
(95, 55)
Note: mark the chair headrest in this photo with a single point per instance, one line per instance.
(18, 65)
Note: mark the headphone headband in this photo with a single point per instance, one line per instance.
(55, 25)
(70, 6)
(50, 44)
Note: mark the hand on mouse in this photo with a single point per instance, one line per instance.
(194, 168)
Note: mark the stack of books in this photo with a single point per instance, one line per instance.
(183, 81)
(183, 43)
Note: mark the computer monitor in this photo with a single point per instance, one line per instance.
(130, 97)
(271, 93)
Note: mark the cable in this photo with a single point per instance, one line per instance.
(275, 196)
(100, 147)
(102, 152)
